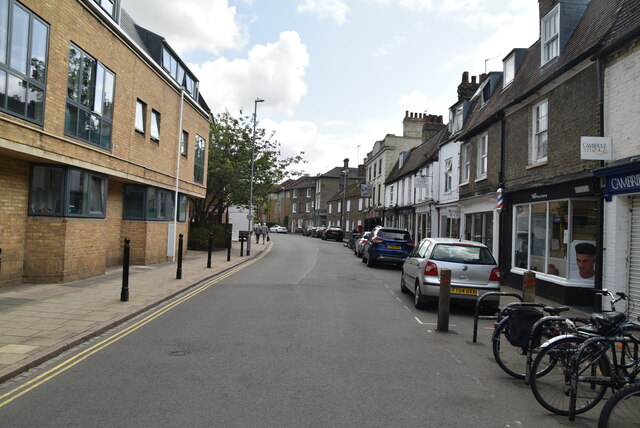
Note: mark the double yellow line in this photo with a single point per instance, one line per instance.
(72, 361)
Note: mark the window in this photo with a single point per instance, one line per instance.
(539, 138)
(360, 204)
(90, 89)
(339, 207)
(483, 145)
(465, 162)
(67, 192)
(23, 61)
(152, 203)
(307, 207)
(155, 125)
(294, 208)
(349, 205)
(141, 115)
(448, 174)
(308, 192)
(509, 68)
(330, 205)
(184, 143)
(295, 193)
(178, 72)
(549, 39)
(479, 228)
(391, 195)
(455, 119)
(380, 166)
(547, 233)
(198, 160)
(109, 6)
(374, 170)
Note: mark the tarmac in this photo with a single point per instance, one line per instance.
(40, 321)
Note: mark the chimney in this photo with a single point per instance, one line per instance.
(466, 89)
(346, 163)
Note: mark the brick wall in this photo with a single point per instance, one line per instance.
(14, 179)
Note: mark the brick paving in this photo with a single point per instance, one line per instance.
(40, 321)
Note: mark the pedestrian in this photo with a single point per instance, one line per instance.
(258, 231)
(265, 232)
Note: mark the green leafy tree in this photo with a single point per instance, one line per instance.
(229, 167)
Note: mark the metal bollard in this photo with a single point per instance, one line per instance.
(241, 246)
(444, 300)
(124, 293)
(529, 286)
(229, 248)
(210, 250)
(179, 270)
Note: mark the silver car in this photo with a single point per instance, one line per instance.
(473, 272)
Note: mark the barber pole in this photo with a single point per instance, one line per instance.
(500, 200)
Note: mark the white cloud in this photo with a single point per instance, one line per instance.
(324, 151)
(274, 72)
(189, 25)
(336, 10)
(415, 101)
(388, 48)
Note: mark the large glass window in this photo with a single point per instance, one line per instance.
(198, 162)
(155, 125)
(556, 238)
(62, 191)
(90, 92)
(178, 72)
(479, 228)
(152, 203)
(23, 61)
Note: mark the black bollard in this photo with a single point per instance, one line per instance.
(229, 248)
(210, 249)
(241, 239)
(124, 293)
(179, 270)
(444, 300)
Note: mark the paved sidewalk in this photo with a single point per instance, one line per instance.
(40, 321)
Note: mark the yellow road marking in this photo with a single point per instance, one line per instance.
(72, 361)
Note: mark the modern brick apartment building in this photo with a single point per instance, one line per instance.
(98, 117)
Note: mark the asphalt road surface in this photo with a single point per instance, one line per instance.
(307, 336)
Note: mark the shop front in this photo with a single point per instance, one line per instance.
(480, 221)
(621, 255)
(553, 231)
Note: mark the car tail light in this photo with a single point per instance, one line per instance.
(411, 244)
(495, 274)
(431, 269)
(377, 240)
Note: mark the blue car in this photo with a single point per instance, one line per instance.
(387, 245)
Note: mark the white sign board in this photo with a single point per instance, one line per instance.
(420, 181)
(596, 148)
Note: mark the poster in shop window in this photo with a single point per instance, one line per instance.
(583, 262)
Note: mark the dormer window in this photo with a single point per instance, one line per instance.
(455, 119)
(509, 66)
(109, 6)
(174, 67)
(550, 35)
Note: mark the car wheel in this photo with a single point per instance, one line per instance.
(418, 302)
(370, 262)
(403, 288)
(363, 259)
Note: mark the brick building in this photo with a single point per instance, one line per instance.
(101, 127)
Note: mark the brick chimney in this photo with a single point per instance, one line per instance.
(466, 89)
(346, 163)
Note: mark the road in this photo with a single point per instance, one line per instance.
(305, 337)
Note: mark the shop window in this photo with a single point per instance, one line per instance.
(152, 203)
(23, 61)
(67, 192)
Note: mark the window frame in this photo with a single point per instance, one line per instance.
(448, 175)
(537, 133)
(465, 163)
(141, 116)
(33, 98)
(184, 144)
(199, 160)
(509, 70)
(482, 157)
(156, 118)
(64, 192)
(166, 205)
(550, 42)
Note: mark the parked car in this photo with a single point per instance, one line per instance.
(387, 245)
(278, 229)
(360, 243)
(333, 232)
(318, 232)
(473, 272)
(309, 231)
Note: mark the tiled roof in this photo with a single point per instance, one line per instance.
(627, 24)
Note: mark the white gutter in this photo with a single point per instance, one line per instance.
(173, 227)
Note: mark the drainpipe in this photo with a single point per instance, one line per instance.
(601, 203)
(171, 244)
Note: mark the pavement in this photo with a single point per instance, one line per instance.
(40, 321)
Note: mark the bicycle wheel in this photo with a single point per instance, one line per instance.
(511, 359)
(622, 409)
(552, 389)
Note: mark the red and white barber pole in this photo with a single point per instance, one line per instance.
(500, 200)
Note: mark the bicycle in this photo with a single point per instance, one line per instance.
(556, 363)
(351, 243)
(622, 408)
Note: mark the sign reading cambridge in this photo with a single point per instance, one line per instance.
(595, 148)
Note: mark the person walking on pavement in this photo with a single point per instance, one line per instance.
(258, 230)
(265, 232)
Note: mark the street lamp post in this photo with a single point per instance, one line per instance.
(253, 143)
(344, 201)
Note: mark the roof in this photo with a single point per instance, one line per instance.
(586, 39)
(418, 156)
(337, 173)
(627, 25)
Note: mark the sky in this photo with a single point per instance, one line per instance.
(337, 75)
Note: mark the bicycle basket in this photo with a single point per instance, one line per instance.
(606, 322)
(519, 324)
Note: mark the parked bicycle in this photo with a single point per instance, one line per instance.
(622, 408)
(351, 243)
(557, 364)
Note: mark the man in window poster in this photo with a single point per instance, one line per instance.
(584, 268)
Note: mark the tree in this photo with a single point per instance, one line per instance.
(229, 167)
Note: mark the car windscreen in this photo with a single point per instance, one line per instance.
(396, 235)
(468, 254)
